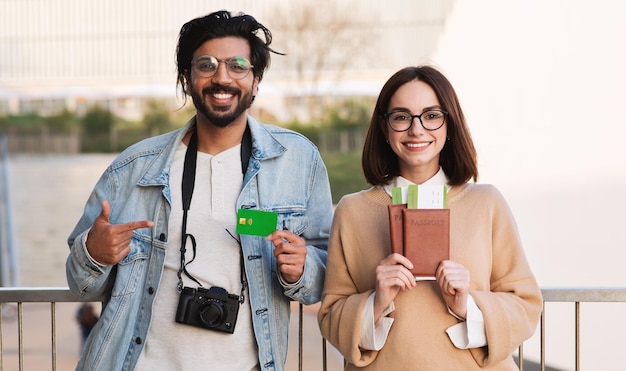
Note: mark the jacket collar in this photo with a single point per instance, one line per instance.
(264, 146)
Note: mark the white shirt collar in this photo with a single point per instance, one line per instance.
(439, 178)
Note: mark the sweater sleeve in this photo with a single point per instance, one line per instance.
(340, 315)
(512, 306)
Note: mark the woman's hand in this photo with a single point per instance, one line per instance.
(454, 281)
(392, 275)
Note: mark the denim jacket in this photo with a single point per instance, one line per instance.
(285, 174)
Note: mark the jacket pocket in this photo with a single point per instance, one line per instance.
(130, 270)
(292, 220)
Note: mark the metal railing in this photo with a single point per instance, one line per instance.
(576, 296)
(19, 296)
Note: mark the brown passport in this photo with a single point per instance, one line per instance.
(395, 227)
(422, 235)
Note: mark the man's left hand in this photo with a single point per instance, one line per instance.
(290, 252)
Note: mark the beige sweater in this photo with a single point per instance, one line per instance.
(483, 237)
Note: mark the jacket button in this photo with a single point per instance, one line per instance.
(150, 290)
(138, 340)
(162, 237)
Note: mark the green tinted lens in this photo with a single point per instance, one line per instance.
(238, 64)
(207, 66)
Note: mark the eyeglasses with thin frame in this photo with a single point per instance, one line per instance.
(402, 120)
(207, 65)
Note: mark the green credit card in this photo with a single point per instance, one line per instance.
(256, 222)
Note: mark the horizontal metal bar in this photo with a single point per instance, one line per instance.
(37, 295)
(584, 294)
(550, 294)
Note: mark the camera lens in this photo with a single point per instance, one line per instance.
(213, 313)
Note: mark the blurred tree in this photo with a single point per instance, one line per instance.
(157, 118)
(98, 130)
(29, 123)
(97, 120)
(64, 122)
(348, 114)
(321, 43)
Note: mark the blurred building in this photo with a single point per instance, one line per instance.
(70, 54)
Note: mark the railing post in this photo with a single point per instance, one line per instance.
(20, 335)
(300, 334)
(53, 318)
(542, 335)
(324, 356)
(1, 346)
(577, 335)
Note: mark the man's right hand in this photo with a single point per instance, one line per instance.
(109, 243)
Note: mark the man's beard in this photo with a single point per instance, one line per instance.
(217, 119)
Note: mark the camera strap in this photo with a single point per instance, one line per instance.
(189, 179)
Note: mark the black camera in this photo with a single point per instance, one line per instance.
(212, 308)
